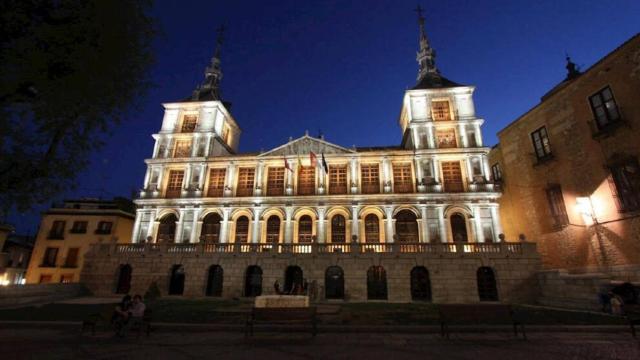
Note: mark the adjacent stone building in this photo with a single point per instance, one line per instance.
(569, 169)
(418, 220)
(18, 250)
(67, 231)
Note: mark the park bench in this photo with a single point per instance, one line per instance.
(632, 314)
(281, 316)
(477, 314)
(90, 322)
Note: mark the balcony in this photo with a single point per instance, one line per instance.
(608, 129)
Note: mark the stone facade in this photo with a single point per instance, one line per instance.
(580, 200)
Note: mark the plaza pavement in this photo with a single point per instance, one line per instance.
(43, 343)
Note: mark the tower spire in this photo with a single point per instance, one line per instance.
(426, 56)
(210, 88)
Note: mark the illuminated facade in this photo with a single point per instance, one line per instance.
(569, 169)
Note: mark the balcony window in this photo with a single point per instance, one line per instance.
(440, 110)
(273, 230)
(337, 179)
(49, 258)
(242, 229)
(275, 181)
(556, 205)
(216, 182)
(174, 185)
(452, 176)
(189, 123)
(182, 149)
(402, 180)
(496, 172)
(57, 230)
(305, 229)
(541, 146)
(338, 229)
(446, 138)
(625, 185)
(104, 227)
(79, 227)
(246, 178)
(72, 258)
(306, 180)
(370, 178)
(604, 108)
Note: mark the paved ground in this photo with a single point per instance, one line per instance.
(60, 344)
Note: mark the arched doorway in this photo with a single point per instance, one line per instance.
(176, 283)
(338, 228)
(334, 283)
(420, 284)
(376, 283)
(242, 229)
(124, 279)
(487, 287)
(458, 227)
(293, 280)
(253, 281)
(305, 229)
(273, 229)
(211, 228)
(407, 227)
(214, 281)
(167, 228)
(371, 229)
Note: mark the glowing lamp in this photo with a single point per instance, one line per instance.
(583, 205)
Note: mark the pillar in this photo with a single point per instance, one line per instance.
(430, 137)
(288, 225)
(388, 224)
(203, 175)
(424, 226)
(444, 234)
(477, 220)
(224, 225)
(486, 167)
(255, 231)
(495, 222)
(196, 228)
(355, 227)
(178, 235)
(136, 227)
(322, 223)
(478, 134)
(463, 136)
(354, 171)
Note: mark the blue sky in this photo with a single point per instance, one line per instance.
(341, 67)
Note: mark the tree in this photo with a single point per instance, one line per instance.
(70, 71)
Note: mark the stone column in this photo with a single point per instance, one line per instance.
(463, 136)
(467, 161)
(168, 148)
(156, 146)
(495, 222)
(355, 226)
(424, 226)
(196, 228)
(161, 175)
(353, 164)
(320, 232)
(486, 167)
(478, 134)
(136, 226)
(386, 172)
(431, 137)
(435, 166)
(203, 175)
(195, 143)
(288, 225)
(418, 168)
(187, 178)
(230, 175)
(224, 225)
(153, 224)
(255, 233)
(147, 177)
(258, 178)
(207, 146)
(444, 234)
(478, 225)
(179, 226)
(388, 224)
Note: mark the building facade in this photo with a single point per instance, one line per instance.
(18, 250)
(66, 232)
(314, 210)
(569, 169)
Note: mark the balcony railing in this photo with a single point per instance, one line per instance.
(505, 248)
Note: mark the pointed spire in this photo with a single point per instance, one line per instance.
(426, 56)
(210, 88)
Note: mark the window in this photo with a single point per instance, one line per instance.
(216, 182)
(337, 179)
(452, 176)
(104, 227)
(556, 205)
(45, 278)
(189, 123)
(446, 138)
(273, 230)
(371, 229)
(305, 229)
(174, 186)
(275, 181)
(242, 229)
(66, 278)
(604, 108)
(50, 255)
(183, 149)
(245, 182)
(625, 185)
(79, 227)
(167, 229)
(306, 180)
(72, 258)
(402, 182)
(338, 226)
(496, 172)
(57, 230)
(440, 110)
(225, 135)
(541, 145)
(370, 178)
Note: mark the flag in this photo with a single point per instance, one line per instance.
(313, 159)
(286, 164)
(324, 164)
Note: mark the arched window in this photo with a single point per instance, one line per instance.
(338, 226)
(253, 281)
(176, 283)
(305, 229)
(407, 226)
(420, 284)
(377, 283)
(124, 279)
(214, 281)
(273, 229)
(371, 229)
(293, 280)
(487, 288)
(167, 228)
(211, 228)
(334, 283)
(242, 229)
(458, 227)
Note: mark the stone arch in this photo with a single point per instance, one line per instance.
(277, 211)
(211, 228)
(487, 284)
(338, 211)
(413, 209)
(372, 211)
(123, 284)
(456, 216)
(233, 223)
(334, 282)
(267, 218)
(307, 213)
(208, 211)
(366, 210)
(167, 226)
(164, 212)
(406, 226)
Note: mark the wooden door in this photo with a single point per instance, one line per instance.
(452, 176)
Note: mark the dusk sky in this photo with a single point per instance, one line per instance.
(341, 67)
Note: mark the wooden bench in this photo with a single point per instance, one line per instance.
(477, 314)
(632, 314)
(281, 316)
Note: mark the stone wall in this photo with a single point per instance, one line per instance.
(560, 289)
(452, 273)
(17, 295)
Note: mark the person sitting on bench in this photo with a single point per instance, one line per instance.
(135, 315)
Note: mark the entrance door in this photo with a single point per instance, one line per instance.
(458, 227)
(376, 283)
(214, 281)
(420, 284)
(176, 285)
(334, 283)
(452, 176)
(253, 281)
(293, 280)
(487, 287)
(124, 279)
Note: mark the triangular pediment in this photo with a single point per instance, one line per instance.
(305, 145)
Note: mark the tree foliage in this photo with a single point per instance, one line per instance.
(69, 72)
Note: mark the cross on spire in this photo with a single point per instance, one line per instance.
(419, 11)
(426, 55)
(210, 89)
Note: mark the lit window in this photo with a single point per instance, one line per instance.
(183, 149)
(216, 182)
(245, 182)
(541, 144)
(370, 178)
(496, 172)
(625, 185)
(402, 182)
(275, 181)
(306, 180)
(604, 108)
(174, 185)
(446, 138)
(440, 110)
(337, 179)
(104, 227)
(189, 123)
